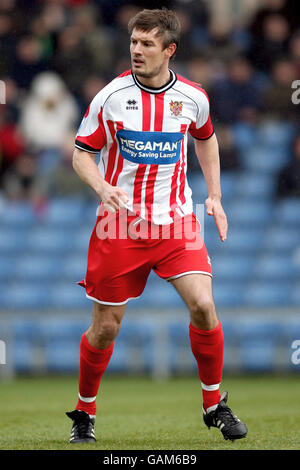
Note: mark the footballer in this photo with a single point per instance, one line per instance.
(140, 122)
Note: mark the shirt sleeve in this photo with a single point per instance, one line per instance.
(202, 128)
(91, 135)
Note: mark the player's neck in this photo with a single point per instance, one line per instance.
(155, 82)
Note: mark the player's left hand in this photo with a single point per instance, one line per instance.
(214, 208)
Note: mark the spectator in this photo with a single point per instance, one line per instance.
(97, 38)
(28, 61)
(11, 142)
(294, 49)
(272, 44)
(64, 182)
(289, 177)
(229, 157)
(20, 179)
(48, 114)
(276, 102)
(90, 87)
(73, 59)
(237, 96)
(199, 70)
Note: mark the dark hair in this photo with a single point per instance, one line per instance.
(165, 20)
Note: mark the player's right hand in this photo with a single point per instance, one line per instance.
(113, 197)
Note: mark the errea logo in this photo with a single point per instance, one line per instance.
(131, 104)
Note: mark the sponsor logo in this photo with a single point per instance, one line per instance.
(131, 104)
(150, 147)
(176, 108)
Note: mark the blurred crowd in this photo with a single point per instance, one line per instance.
(55, 55)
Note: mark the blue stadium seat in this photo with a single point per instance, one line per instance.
(228, 294)
(233, 267)
(26, 329)
(228, 184)
(50, 241)
(62, 355)
(275, 266)
(260, 158)
(243, 240)
(255, 185)
(244, 136)
(26, 296)
(276, 135)
(23, 355)
(158, 293)
(12, 240)
(249, 213)
(81, 239)
(17, 215)
(258, 354)
(295, 295)
(198, 187)
(74, 267)
(180, 356)
(65, 294)
(34, 267)
(65, 211)
(7, 267)
(281, 238)
(267, 293)
(287, 212)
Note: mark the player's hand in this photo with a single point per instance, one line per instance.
(214, 208)
(113, 197)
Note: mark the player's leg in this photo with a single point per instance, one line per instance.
(96, 348)
(206, 334)
(207, 344)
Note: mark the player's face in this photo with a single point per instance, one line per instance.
(148, 57)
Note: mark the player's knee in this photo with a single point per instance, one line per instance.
(202, 309)
(108, 330)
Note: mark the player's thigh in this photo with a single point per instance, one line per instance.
(107, 315)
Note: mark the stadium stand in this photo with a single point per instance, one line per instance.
(44, 234)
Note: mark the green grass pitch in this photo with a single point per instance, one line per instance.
(141, 413)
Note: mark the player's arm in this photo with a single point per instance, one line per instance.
(84, 164)
(207, 152)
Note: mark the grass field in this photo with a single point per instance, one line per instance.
(140, 413)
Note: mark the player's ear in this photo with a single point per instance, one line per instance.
(171, 49)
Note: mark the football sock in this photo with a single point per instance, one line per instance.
(93, 363)
(207, 347)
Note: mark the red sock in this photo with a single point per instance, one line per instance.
(93, 363)
(207, 347)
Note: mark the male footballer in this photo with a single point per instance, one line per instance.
(140, 121)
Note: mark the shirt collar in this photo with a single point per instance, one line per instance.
(154, 90)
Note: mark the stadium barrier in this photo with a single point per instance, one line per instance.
(151, 342)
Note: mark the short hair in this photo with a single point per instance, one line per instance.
(165, 20)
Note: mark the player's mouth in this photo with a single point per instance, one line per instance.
(137, 62)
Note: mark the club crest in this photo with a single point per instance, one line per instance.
(176, 107)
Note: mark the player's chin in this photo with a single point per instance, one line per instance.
(138, 68)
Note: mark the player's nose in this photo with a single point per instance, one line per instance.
(136, 49)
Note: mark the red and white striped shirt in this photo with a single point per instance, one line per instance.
(142, 135)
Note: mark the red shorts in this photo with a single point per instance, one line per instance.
(124, 248)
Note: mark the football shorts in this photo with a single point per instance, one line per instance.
(124, 248)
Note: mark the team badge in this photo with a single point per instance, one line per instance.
(176, 107)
